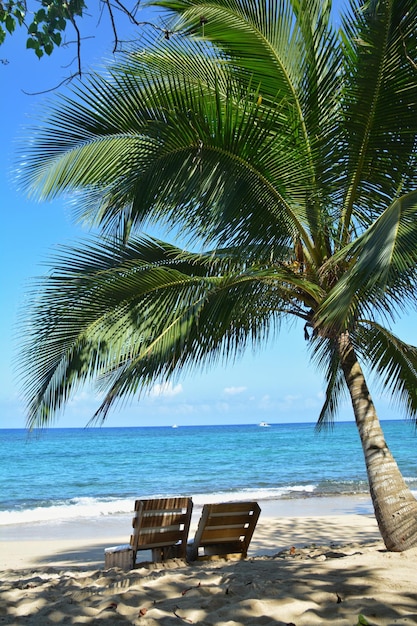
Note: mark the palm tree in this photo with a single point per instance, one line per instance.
(282, 152)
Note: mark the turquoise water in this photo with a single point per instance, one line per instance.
(78, 473)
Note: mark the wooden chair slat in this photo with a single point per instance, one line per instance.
(211, 535)
(232, 507)
(160, 521)
(163, 538)
(229, 520)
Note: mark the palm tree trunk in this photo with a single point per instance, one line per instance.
(395, 506)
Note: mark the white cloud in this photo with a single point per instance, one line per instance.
(86, 397)
(166, 390)
(265, 402)
(290, 399)
(233, 391)
(222, 407)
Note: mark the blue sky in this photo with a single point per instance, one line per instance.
(276, 385)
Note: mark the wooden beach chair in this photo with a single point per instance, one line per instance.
(224, 530)
(160, 525)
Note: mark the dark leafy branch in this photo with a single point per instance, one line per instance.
(47, 21)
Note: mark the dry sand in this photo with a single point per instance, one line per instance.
(301, 570)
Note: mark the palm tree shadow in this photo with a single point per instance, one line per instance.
(303, 586)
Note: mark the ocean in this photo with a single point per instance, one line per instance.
(61, 474)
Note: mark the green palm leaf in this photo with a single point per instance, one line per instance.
(327, 358)
(129, 315)
(380, 269)
(135, 170)
(380, 105)
(393, 361)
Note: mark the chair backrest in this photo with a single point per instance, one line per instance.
(225, 529)
(162, 525)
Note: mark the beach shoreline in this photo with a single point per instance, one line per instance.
(81, 542)
(302, 569)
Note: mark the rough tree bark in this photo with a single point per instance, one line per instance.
(394, 504)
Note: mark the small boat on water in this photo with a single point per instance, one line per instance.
(264, 424)
(174, 426)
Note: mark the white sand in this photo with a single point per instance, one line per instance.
(301, 570)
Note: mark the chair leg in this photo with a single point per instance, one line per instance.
(157, 555)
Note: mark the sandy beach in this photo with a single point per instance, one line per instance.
(302, 569)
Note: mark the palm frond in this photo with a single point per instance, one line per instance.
(192, 124)
(211, 147)
(325, 355)
(380, 105)
(393, 361)
(380, 269)
(290, 50)
(127, 315)
(82, 321)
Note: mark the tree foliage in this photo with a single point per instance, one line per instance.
(50, 24)
(283, 151)
(285, 146)
(45, 22)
